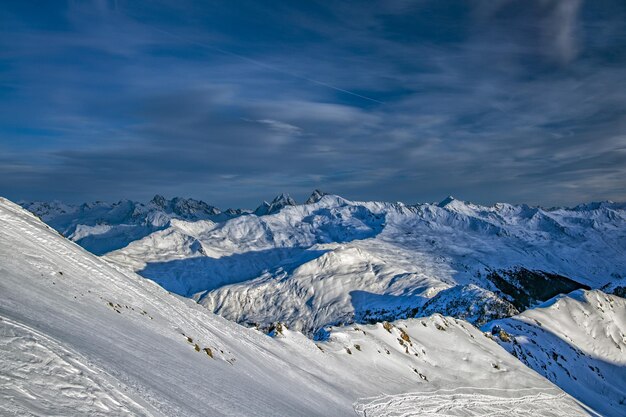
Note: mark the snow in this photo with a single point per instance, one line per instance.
(41, 377)
(102, 227)
(338, 261)
(275, 206)
(80, 335)
(475, 403)
(315, 197)
(577, 341)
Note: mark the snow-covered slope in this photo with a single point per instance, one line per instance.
(80, 336)
(102, 227)
(337, 261)
(341, 278)
(577, 341)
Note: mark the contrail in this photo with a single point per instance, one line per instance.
(250, 60)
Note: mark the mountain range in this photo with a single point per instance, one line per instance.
(330, 307)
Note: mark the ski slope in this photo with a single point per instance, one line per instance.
(82, 336)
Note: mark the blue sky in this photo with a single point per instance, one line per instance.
(234, 102)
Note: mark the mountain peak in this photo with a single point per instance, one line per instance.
(315, 197)
(449, 199)
(284, 198)
(280, 201)
(262, 209)
(159, 200)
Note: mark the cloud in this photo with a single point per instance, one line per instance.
(564, 27)
(551, 27)
(281, 126)
(515, 102)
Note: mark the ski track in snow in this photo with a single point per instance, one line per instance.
(39, 376)
(458, 404)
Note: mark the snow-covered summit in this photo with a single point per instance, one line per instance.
(315, 197)
(280, 201)
(186, 208)
(449, 199)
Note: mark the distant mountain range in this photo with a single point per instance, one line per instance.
(330, 260)
(101, 227)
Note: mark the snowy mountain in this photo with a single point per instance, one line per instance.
(335, 261)
(275, 206)
(102, 227)
(315, 197)
(578, 342)
(80, 336)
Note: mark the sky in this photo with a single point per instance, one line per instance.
(234, 102)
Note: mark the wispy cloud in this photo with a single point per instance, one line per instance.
(281, 127)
